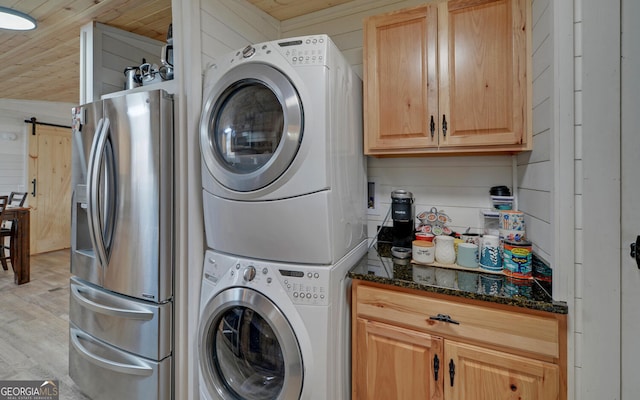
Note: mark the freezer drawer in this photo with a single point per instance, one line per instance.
(103, 372)
(135, 326)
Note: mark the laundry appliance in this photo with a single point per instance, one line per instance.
(283, 169)
(273, 330)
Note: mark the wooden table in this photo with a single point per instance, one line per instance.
(20, 247)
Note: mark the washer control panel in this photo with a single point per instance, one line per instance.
(303, 284)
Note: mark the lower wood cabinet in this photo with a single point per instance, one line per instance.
(401, 353)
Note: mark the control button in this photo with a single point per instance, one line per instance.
(286, 281)
(265, 270)
(264, 46)
(322, 296)
(249, 273)
(237, 266)
(269, 280)
(295, 294)
(308, 41)
(308, 295)
(309, 274)
(295, 59)
(315, 41)
(212, 261)
(288, 286)
(248, 51)
(315, 296)
(316, 275)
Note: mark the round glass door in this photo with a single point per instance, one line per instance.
(248, 350)
(251, 127)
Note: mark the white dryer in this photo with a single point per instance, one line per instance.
(283, 169)
(274, 331)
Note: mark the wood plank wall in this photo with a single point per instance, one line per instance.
(108, 52)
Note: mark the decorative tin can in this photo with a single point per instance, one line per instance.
(516, 259)
(512, 220)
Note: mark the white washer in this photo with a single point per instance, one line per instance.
(283, 169)
(274, 331)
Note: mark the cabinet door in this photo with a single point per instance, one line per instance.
(390, 362)
(483, 374)
(400, 91)
(484, 83)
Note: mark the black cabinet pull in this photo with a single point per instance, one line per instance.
(33, 182)
(444, 318)
(436, 367)
(452, 371)
(432, 127)
(444, 125)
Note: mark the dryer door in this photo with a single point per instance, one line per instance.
(247, 349)
(251, 127)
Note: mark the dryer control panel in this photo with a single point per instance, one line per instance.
(308, 50)
(299, 51)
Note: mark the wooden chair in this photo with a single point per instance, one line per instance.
(4, 233)
(17, 198)
(8, 229)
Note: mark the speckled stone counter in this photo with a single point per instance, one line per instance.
(468, 283)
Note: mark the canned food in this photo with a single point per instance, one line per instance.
(516, 259)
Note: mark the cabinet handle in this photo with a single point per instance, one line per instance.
(444, 125)
(444, 318)
(452, 371)
(436, 367)
(432, 127)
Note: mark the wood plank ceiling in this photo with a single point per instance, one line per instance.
(43, 64)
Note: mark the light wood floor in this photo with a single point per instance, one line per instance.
(34, 324)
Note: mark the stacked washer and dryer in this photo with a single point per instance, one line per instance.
(284, 180)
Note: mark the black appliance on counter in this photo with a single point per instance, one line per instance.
(402, 214)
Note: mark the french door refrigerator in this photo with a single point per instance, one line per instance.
(121, 301)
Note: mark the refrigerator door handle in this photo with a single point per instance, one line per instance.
(93, 191)
(90, 188)
(136, 366)
(110, 310)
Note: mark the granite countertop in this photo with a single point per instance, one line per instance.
(462, 282)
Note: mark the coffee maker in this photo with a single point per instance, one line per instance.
(402, 211)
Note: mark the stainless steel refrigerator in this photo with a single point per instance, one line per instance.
(121, 302)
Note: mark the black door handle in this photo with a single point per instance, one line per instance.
(33, 182)
(635, 251)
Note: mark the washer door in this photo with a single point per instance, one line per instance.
(247, 348)
(251, 127)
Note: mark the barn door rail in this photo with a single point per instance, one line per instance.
(33, 121)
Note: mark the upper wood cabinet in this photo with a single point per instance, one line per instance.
(449, 77)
